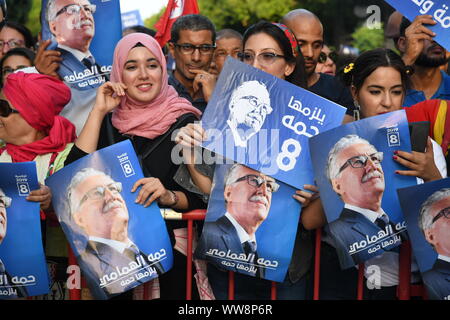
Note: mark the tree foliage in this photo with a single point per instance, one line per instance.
(18, 10)
(365, 38)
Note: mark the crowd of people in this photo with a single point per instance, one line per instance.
(43, 119)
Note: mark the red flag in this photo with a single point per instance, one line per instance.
(174, 10)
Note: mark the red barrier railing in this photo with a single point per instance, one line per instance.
(404, 291)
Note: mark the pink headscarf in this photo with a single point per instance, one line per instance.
(155, 117)
(39, 100)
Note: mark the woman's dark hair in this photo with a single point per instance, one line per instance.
(356, 73)
(298, 76)
(24, 31)
(24, 52)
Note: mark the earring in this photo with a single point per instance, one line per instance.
(356, 111)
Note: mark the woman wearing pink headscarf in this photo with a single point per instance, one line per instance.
(145, 109)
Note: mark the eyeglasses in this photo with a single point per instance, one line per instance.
(5, 109)
(7, 70)
(99, 192)
(187, 48)
(257, 181)
(5, 202)
(443, 213)
(332, 55)
(254, 101)
(72, 9)
(264, 58)
(361, 161)
(12, 43)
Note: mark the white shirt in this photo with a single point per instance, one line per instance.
(116, 245)
(77, 53)
(369, 214)
(445, 258)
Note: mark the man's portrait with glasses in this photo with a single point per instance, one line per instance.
(434, 222)
(72, 26)
(354, 170)
(249, 106)
(97, 208)
(248, 197)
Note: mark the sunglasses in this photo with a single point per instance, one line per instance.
(5, 109)
(332, 55)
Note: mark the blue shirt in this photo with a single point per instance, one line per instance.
(414, 96)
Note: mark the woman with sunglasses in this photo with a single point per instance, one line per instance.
(378, 82)
(145, 110)
(32, 129)
(272, 48)
(327, 61)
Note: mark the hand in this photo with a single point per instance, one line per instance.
(152, 189)
(206, 81)
(415, 35)
(421, 163)
(42, 195)
(305, 197)
(47, 61)
(191, 135)
(109, 96)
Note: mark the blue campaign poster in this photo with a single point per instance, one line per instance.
(355, 172)
(119, 244)
(426, 208)
(23, 269)
(250, 224)
(264, 122)
(76, 32)
(439, 9)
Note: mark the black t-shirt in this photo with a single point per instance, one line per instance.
(330, 88)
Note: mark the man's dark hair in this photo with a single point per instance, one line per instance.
(192, 22)
(141, 29)
(24, 31)
(3, 8)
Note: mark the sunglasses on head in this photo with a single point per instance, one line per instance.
(5, 109)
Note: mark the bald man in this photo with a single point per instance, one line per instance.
(308, 30)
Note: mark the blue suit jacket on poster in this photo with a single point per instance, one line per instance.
(21, 290)
(221, 235)
(70, 65)
(100, 259)
(351, 227)
(437, 280)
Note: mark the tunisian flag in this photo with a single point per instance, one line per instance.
(175, 9)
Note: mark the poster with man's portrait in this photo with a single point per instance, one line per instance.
(85, 32)
(355, 171)
(426, 208)
(250, 224)
(23, 269)
(265, 122)
(119, 244)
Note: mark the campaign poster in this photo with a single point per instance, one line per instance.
(439, 9)
(86, 33)
(264, 122)
(426, 208)
(23, 269)
(118, 243)
(250, 224)
(355, 172)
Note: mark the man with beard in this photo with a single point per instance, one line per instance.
(355, 173)
(97, 207)
(192, 45)
(423, 57)
(308, 31)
